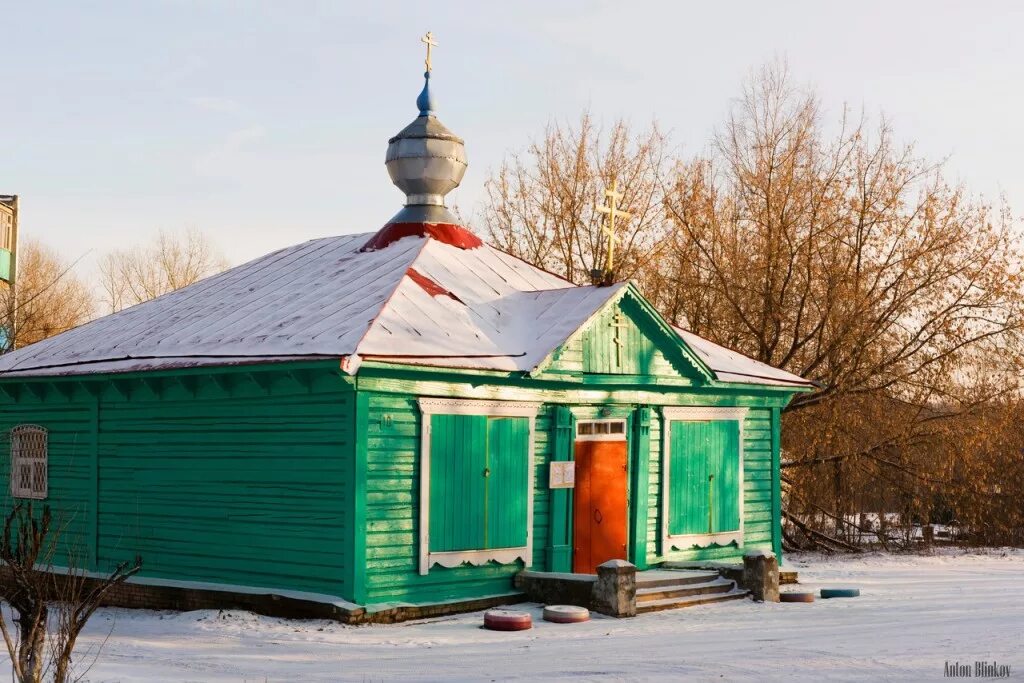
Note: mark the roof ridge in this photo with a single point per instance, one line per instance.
(355, 355)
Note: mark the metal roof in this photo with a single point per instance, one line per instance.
(419, 300)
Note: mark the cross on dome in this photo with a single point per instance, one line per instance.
(426, 161)
(429, 40)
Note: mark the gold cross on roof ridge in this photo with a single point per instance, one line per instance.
(612, 211)
(429, 41)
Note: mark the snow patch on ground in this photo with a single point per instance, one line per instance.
(915, 613)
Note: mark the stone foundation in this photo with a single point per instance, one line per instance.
(185, 597)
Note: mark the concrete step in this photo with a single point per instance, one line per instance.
(661, 577)
(676, 603)
(653, 594)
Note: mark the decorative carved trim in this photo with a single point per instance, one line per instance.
(459, 406)
(687, 541)
(480, 557)
(697, 414)
(704, 413)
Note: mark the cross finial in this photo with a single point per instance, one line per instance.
(429, 41)
(612, 211)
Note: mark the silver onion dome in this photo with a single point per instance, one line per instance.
(426, 161)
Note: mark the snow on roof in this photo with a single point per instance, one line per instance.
(315, 298)
(731, 366)
(419, 300)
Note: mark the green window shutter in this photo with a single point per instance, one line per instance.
(704, 486)
(688, 479)
(507, 482)
(458, 457)
(726, 486)
(479, 482)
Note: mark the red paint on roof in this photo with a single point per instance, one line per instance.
(449, 233)
(428, 285)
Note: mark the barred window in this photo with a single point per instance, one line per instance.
(28, 462)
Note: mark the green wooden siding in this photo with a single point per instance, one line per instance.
(243, 481)
(704, 473)
(69, 496)
(623, 339)
(640, 448)
(614, 344)
(559, 555)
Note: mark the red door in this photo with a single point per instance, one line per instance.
(599, 518)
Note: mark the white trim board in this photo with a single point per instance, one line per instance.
(448, 406)
(697, 414)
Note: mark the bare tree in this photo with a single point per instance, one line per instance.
(825, 248)
(32, 588)
(171, 261)
(51, 298)
(844, 258)
(541, 206)
(847, 259)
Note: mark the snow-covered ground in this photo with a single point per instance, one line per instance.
(915, 614)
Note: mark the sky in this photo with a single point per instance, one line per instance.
(264, 124)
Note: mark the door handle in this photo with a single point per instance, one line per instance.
(487, 471)
(598, 517)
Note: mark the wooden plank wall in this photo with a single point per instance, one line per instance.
(237, 482)
(69, 427)
(649, 361)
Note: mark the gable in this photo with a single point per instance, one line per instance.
(626, 337)
(615, 344)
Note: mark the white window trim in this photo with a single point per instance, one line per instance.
(684, 542)
(449, 406)
(17, 458)
(601, 437)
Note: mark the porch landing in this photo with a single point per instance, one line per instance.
(653, 589)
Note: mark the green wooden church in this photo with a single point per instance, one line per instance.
(406, 416)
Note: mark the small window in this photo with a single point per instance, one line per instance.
(28, 462)
(601, 430)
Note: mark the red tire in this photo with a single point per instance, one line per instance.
(507, 620)
(566, 614)
(796, 597)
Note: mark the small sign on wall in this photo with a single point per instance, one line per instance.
(563, 475)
